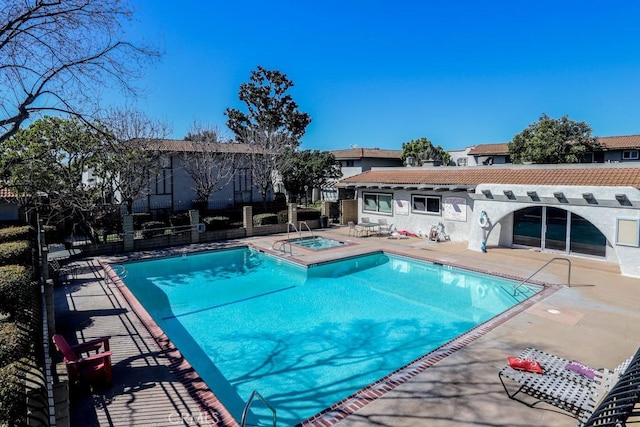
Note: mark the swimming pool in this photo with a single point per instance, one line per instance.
(316, 243)
(307, 338)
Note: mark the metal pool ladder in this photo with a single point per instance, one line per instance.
(245, 411)
(299, 228)
(283, 246)
(540, 269)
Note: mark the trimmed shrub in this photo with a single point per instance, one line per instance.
(308, 214)
(140, 218)
(14, 281)
(18, 252)
(265, 219)
(13, 410)
(216, 222)
(13, 344)
(283, 217)
(150, 229)
(11, 234)
(180, 219)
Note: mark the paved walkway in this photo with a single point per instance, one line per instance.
(598, 323)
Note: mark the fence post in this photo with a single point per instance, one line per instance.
(247, 220)
(194, 220)
(128, 233)
(293, 213)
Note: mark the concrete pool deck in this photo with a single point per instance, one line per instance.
(598, 323)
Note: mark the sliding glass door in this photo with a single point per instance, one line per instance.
(554, 229)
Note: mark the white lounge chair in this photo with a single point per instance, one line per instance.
(569, 391)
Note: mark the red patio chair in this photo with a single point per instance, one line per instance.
(90, 369)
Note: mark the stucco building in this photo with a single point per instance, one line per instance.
(585, 209)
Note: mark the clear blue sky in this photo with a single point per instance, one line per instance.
(380, 73)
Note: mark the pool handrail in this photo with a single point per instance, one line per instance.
(299, 228)
(300, 224)
(540, 269)
(245, 411)
(283, 246)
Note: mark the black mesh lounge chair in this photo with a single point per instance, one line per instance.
(621, 406)
(568, 391)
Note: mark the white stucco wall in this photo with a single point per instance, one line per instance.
(604, 215)
(457, 229)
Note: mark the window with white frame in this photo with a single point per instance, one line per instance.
(425, 204)
(630, 155)
(377, 202)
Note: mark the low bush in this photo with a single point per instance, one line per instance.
(10, 234)
(139, 219)
(265, 219)
(180, 219)
(308, 214)
(15, 280)
(283, 217)
(216, 222)
(18, 252)
(12, 393)
(13, 344)
(153, 228)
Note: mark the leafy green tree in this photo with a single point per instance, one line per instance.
(271, 109)
(553, 141)
(46, 164)
(310, 168)
(422, 150)
(271, 127)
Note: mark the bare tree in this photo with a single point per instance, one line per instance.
(265, 149)
(208, 160)
(133, 155)
(58, 55)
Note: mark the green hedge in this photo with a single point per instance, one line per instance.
(149, 229)
(180, 219)
(18, 252)
(308, 214)
(139, 219)
(283, 217)
(15, 280)
(12, 409)
(13, 344)
(216, 222)
(265, 219)
(10, 234)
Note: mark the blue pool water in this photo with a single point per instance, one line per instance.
(307, 338)
(316, 243)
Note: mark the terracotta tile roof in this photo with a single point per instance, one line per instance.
(360, 153)
(619, 142)
(181, 146)
(579, 176)
(5, 193)
(607, 142)
(490, 149)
